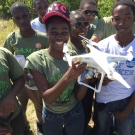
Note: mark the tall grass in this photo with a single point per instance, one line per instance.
(5, 28)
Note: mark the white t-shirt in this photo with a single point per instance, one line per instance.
(115, 90)
(37, 25)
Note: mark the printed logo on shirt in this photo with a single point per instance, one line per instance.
(130, 64)
(3, 89)
(25, 51)
(122, 71)
(2, 69)
(67, 93)
(38, 45)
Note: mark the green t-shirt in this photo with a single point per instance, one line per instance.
(10, 70)
(53, 70)
(75, 51)
(25, 46)
(90, 31)
(105, 28)
(95, 21)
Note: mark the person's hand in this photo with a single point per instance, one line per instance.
(27, 76)
(75, 70)
(5, 130)
(7, 105)
(106, 80)
(119, 115)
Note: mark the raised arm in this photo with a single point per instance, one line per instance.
(50, 95)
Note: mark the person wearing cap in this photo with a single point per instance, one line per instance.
(55, 80)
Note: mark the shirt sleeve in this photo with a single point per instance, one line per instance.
(34, 62)
(15, 69)
(102, 45)
(7, 43)
(99, 31)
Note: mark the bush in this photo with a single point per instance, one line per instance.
(71, 4)
(104, 7)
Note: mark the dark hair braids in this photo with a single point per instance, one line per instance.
(74, 13)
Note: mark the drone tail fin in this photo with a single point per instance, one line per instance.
(129, 56)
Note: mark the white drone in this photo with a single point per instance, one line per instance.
(99, 62)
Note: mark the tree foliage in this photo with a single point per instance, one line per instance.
(104, 6)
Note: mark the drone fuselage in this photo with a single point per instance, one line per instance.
(88, 58)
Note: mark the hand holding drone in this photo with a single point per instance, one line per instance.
(105, 64)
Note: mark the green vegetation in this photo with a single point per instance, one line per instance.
(5, 28)
(104, 6)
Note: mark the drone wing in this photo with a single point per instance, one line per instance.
(89, 41)
(115, 58)
(119, 78)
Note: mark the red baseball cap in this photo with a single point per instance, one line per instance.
(56, 9)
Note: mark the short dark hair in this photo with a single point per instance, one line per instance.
(127, 3)
(34, 2)
(75, 12)
(18, 5)
(47, 22)
(83, 2)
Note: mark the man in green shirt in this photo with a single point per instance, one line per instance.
(11, 116)
(22, 43)
(89, 8)
(105, 28)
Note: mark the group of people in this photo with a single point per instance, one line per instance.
(32, 67)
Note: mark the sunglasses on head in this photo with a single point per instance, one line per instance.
(89, 12)
(79, 24)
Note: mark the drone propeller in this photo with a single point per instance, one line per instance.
(119, 78)
(89, 41)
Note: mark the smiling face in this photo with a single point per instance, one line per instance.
(21, 18)
(82, 30)
(40, 8)
(123, 20)
(58, 33)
